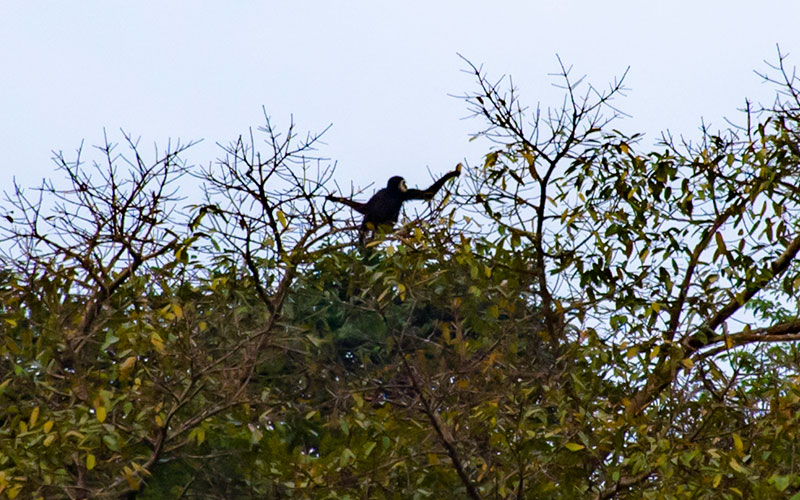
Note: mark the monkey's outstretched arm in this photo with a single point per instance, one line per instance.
(427, 194)
(355, 205)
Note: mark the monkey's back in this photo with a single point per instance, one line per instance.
(383, 207)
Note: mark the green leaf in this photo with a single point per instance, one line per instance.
(782, 482)
(111, 442)
(346, 457)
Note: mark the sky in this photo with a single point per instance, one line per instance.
(383, 74)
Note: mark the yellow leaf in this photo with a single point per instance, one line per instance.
(624, 148)
(176, 309)
(491, 159)
(126, 367)
(717, 480)
(433, 459)
(445, 327)
(574, 446)
(721, 248)
(282, 218)
(133, 481)
(14, 491)
(529, 157)
(23, 427)
(737, 443)
(47, 426)
(12, 346)
(633, 351)
(34, 418)
(197, 435)
(49, 439)
(643, 254)
(75, 434)
(100, 413)
(655, 351)
(90, 461)
(141, 470)
(157, 341)
(688, 363)
(159, 421)
(736, 466)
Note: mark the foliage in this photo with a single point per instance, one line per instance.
(582, 318)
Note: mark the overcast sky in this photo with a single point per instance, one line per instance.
(380, 72)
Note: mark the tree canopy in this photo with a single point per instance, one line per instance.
(582, 316)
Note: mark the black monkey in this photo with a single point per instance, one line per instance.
(383, 209)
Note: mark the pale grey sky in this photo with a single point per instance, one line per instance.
(380, 72)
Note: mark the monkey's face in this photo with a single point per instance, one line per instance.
(397, 184)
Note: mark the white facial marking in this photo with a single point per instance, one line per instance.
(402, 186)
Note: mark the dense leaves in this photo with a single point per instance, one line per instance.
(580, 318)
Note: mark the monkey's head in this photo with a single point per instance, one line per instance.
(397, 183)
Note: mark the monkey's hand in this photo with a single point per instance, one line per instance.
(453, 173)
